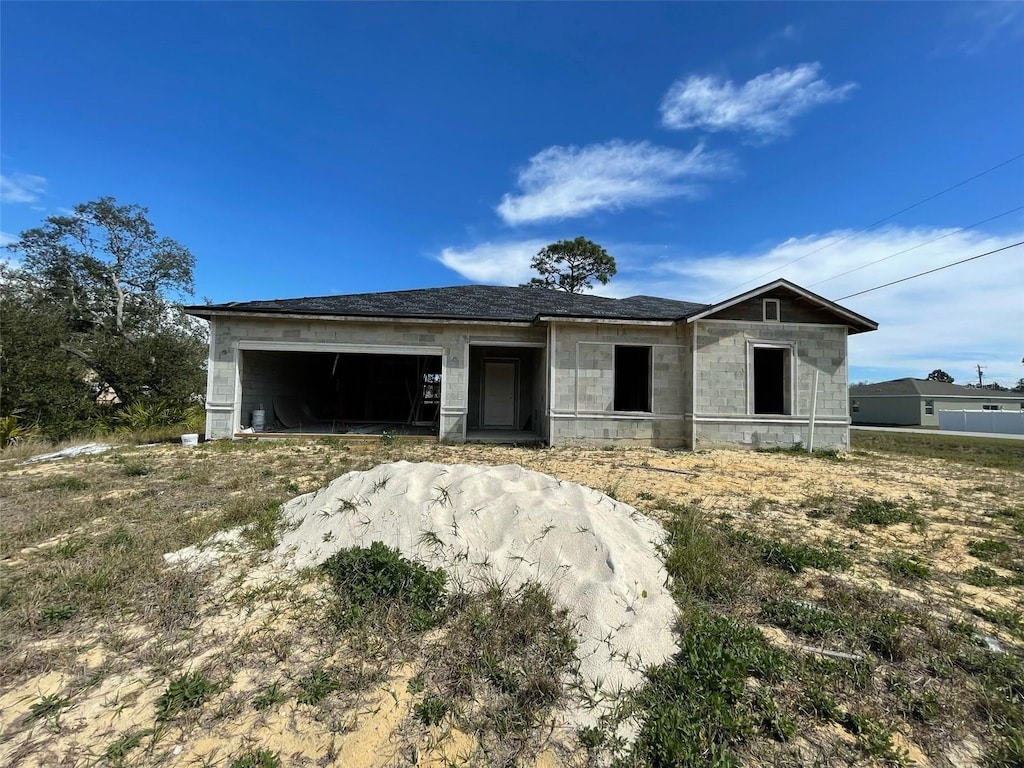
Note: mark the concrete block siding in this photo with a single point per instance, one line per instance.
(722, 407)
(577, 375)
(584, 385)
(232, 337)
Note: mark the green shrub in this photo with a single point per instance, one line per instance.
(367, 579)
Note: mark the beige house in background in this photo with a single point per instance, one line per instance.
(528, 364)
(916, 402)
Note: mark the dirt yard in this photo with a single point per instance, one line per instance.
(109, 657)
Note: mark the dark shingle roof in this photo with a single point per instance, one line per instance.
(468, 302)
(926, 388)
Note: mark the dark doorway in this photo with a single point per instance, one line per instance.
(769, 380)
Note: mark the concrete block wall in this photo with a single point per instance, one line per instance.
(760, 434)
(584, 385)
(721, 415)
(227, 332)
(654, 432)
(721, 363)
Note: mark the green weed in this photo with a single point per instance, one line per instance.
(272, 695)
(906, 567)
(189, 691)
(374, 579)
(317, 686)
(259, 758)
(882, 512)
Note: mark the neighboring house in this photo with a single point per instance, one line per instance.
(916, 402)
(534, 364)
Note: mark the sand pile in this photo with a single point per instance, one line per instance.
(596, 556)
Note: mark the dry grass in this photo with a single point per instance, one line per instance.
(95, 628)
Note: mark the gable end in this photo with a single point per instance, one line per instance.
(792, 309)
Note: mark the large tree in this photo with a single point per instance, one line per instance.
(110, 285)
(572, 265)
(940, 375)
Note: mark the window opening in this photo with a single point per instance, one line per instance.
(770, 379)
(990, 407)
(632, 378)
(771, 310)
(855, 406)
(929, 407)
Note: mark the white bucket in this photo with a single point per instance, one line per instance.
(259, 420)
(190, 441)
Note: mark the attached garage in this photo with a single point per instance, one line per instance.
(341, 392)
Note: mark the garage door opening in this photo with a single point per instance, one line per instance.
(341, 393)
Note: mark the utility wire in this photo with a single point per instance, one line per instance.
(873, 225)
(930, 271)
(919, 245)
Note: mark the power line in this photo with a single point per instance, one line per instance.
(930, 271)
(919, 245)
(874, 224)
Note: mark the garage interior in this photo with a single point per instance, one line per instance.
(341, 393)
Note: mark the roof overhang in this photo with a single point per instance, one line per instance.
(857, 323)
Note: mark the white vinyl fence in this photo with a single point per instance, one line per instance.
(996, 422)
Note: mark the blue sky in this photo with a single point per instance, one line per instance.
(307, 149)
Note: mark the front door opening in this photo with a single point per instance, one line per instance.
(499, 398)
(770, 379)
(506, 393)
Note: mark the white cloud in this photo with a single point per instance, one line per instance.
(505, 263)
(951, 319)
(21, 188)
(765, 105)
(568, 182)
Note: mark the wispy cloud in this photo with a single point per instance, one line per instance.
(21, 188)
(978, 26)
(506, 263)
(569, 182)
(6, 238)
(950, 319)
(766, 105)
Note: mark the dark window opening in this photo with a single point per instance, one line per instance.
(632, 379)
(929, 407)
(855, 406)
(769, 380)
(990, 407)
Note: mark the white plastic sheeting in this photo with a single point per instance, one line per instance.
(995, 422)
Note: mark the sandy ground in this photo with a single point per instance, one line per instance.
(251, 632)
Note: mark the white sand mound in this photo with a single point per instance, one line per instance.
(596, 556)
